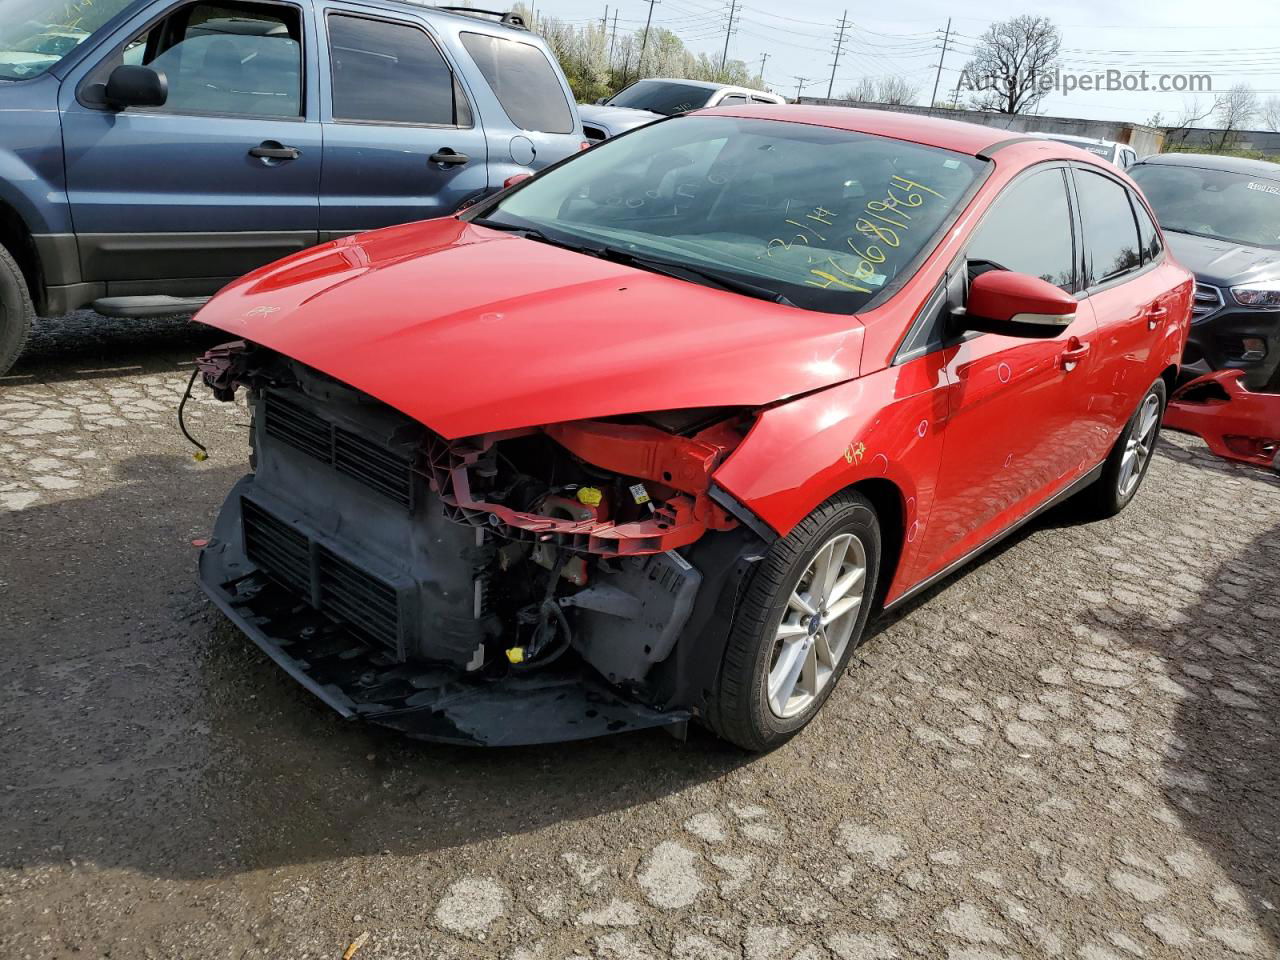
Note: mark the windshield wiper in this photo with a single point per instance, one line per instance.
(684, 271)
(533, 233)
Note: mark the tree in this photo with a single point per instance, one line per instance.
(1271, 114)
(892, 90)
(1193, 112)
(1012, 64)
(1234, 110)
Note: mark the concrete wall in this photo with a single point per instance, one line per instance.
(1143, 139)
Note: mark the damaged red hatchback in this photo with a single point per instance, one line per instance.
(647, 438)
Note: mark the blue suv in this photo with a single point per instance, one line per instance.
(153, 150)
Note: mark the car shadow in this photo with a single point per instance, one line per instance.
(143, 731)
(87, 346)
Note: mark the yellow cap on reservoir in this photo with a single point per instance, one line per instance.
(516, 654)
(590, 496)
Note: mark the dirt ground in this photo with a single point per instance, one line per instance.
(1068, 751)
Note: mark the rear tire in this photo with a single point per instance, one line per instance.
(16, 312)
(1126, 467)
(803, 614)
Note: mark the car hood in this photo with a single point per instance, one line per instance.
(1221, 262)
(470, 330)
(617, 119)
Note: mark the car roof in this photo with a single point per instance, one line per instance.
(481, 17)
(971, 138)
(1214, 161)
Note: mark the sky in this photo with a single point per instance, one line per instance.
(1231, 41)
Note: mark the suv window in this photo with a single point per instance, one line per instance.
(1028, 230)
(1110, 230)
(731, 98)
(524, 82)
(1147, 232)
(391, 73)
(237, 59)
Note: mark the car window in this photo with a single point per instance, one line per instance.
(1241, 208)
(826, 218)
(731, 98)
(391, 73)
(1110, 230)
(1148, 235)
(524, 82)
(1028, 230)
(236, 59)
(762, 100)
(36, 34)
(661, 96)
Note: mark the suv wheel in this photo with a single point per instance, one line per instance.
(16, 311)
(1127, 465)
(800, 620)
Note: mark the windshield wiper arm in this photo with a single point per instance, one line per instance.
(533, 233)
(683, 271)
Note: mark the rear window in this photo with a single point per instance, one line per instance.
(524, 82)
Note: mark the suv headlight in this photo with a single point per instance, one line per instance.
(1258, 294)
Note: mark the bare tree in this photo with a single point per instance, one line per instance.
(892, 90)
(1193, 112)
(1013, 63)
(1235, 110)
(1271, 114)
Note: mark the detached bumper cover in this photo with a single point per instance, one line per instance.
(421, 700)
(1237, 423)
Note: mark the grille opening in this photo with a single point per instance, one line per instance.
(365, 604)
(348, 453)
(1208, 298)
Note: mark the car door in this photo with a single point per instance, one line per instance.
(402, 141)
(224, 177)
(1131, 301)
(1014, 435)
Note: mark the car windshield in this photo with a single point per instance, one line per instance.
(1240, 208)
(36, 34)
(660, 96)
(824, 219)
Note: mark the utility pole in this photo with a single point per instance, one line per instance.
(938, 76)
(764, 58)
(955, 98)
(842, 26)
(645, 41)
(613, 38)
(733, 10)
(800, 82)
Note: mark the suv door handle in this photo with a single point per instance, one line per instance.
(1155, 315)
(1075, 352)
(449, 157)
(274, 150)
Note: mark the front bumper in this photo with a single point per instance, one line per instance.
(1216, 342)
(1237, 423)
(427, 701)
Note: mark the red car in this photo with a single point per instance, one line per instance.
(648, 437)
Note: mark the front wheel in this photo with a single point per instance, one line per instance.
(16, 312)
(800, 620)
(1126, 467)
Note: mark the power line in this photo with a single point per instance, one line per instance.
(800, 82)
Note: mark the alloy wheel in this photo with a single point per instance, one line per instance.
(1138, 447)
(817, 625)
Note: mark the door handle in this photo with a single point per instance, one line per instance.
(1155, 315)
(1075, 352)
(449, 157)
(274, 150)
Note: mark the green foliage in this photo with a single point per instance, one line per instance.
(599, 63)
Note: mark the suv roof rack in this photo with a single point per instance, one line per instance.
(510, 18)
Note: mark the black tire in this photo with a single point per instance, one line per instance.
(16, 312)
(1108, 495)
(740, 711)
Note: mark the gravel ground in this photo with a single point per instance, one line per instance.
(1069, 751)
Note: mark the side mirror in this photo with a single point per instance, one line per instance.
(1016, 305)
(130, 86)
